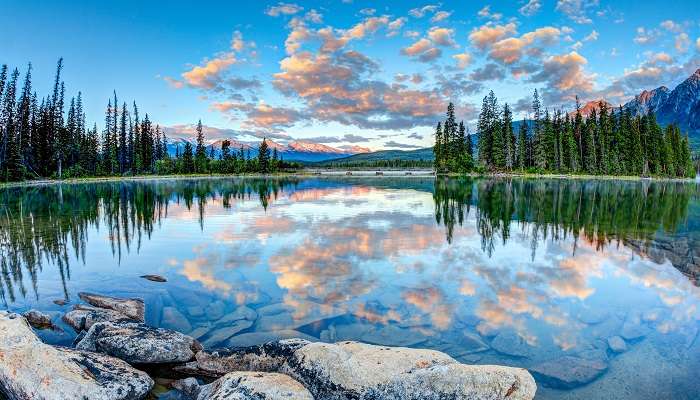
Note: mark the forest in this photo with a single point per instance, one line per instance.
(48, 137)
(606, 142)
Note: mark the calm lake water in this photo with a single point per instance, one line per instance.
(505, 271)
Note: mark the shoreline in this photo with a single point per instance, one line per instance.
(401, 173)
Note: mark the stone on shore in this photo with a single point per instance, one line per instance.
(258, 338)
(139, 344)
(38, 319)
(31, 369)
(568, 372)
(352, 370)
(83, 317)
(254, 385)
(189, 387)
(132, 308)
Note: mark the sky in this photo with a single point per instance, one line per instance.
(375, 74)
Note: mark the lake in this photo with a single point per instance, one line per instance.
(520, 272)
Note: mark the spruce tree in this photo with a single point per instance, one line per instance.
(200, 156)
(264, 157)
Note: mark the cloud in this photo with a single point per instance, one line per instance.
(488, 72)
(511, 50)
(488, 34)
(441, 36)
(393, 143)
(242, 83)
(485, 12)
(565, 77)
(423, 50)
(283, 9)
(313, 16)
(593, 36)
(531, 8)
(697, 44)
(260, 115)
(646, 36)
(457, 85)
(439, 16)
(209, 75)
(576, 10)
(463, 60)
(368, 11)
(348, 137)
(416, 136)
(420, 12)
(682, 42)
(671, 26)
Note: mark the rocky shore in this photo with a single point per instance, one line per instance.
(116, 355)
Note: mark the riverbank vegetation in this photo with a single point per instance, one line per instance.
(605, 142)
(48, 137)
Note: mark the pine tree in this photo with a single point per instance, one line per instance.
(123, 146)
(187, 159)
(7, 122)
(264, 157)
(437, 148)
(200, 155)
(508, 138)
(522, 146)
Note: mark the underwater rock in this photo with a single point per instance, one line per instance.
(132, 308)
(189, 387)
(274, 322)
(391, 335)
(215, 310)
(568, 372)
(254, 385)
(154, 278)
(139, 344)
(172, 318)
(633, 328)
(38, 319)
(220, 335)
(31, 369)
(239, 313)
(510, 343)
(617, 345)
(60, 302)
(593, 316)
(195, 311)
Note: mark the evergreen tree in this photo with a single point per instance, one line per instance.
(201, 156)
(187, 159)
(437, 148)
(264, 157)
(522, 146)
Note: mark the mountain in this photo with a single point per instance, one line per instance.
(588, 108)
(648, 100)
(294, 151)
(425, 154)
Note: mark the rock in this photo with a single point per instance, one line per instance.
(568, 372)
(274, 309)
(139, 344)
(391, 335)
(352, 370)
(200, 331)
(258, 338)
(132, 308)
(220, 335)
(274, 322)
(632, 328)
(239, 313)
(268, 357)
(617, 345)
(83, 317)
(172, 318)
(653, 315)
(593, 316)
(31, 369)
(60, 302)
(510, 343)
(38, 319)
(189, 387)
(254, 385)
(215, 310)
(154, 278)
(471, 343)
(195, 311)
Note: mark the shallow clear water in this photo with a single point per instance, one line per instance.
(504, 271)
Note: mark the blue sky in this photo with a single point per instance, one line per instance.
(373, 74)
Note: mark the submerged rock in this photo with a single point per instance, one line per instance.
(38, 319)
(139, 344)
(254, 385)
(172, 318)
(617, 345)
(154, 278)
(510, 343)
(221, 334)
(391, 335)
(31, 369)
(132, 308)
(633, 328)
(568, 372)
(352, 370)
(239, 313)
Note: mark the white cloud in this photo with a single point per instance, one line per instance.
(531, 8)
(283, 9)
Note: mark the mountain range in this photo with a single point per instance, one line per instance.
(294, 151)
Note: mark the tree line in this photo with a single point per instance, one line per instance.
(606, 142)
(49, 138)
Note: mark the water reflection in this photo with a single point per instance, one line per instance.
(507, 271)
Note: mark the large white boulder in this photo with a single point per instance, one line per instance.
(31, 369)
(245, 385)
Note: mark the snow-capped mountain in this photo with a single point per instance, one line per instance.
(648, 100)
(294, 151)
